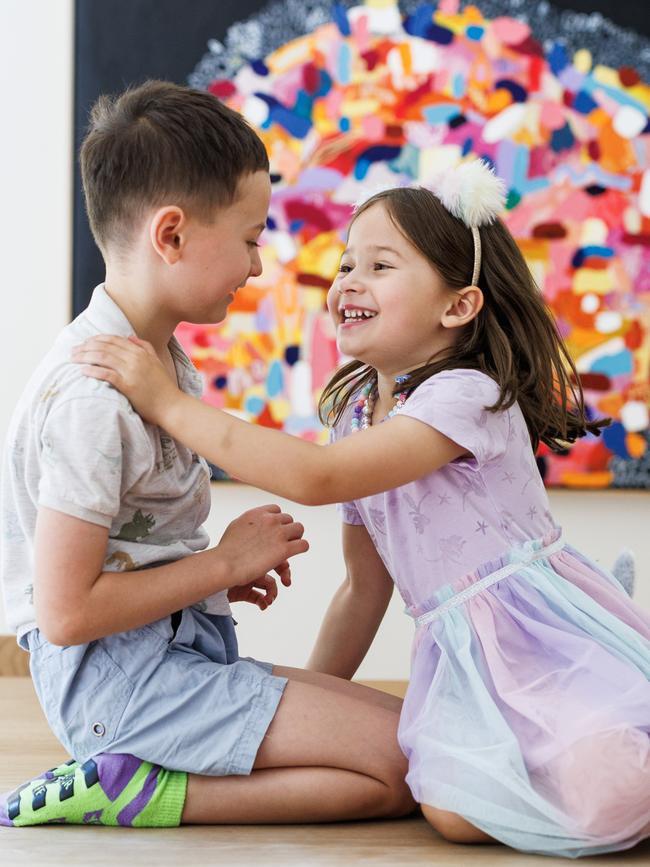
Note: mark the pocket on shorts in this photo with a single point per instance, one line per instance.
(84, 694)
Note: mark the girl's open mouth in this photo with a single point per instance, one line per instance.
(351, 316)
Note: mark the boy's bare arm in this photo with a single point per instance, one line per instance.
(76, 601)
(358, 607)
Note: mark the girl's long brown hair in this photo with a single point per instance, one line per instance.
(513, 339)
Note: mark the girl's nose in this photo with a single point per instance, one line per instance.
(256, 265)
(348, 284)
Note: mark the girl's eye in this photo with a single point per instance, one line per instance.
(381, 265)
(344, 269)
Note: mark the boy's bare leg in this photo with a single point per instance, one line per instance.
(327, 756)
(345, 687)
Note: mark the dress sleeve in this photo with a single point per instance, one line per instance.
(348, 511)
(91, 448)
(454, 402)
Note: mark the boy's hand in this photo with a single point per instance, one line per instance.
(256, 542)
(261, 592)
(131, 366)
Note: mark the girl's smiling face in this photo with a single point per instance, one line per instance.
(387, 301)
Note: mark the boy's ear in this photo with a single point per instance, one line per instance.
(166, 232)
(465, 305)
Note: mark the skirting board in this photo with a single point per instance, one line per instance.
(14, 662)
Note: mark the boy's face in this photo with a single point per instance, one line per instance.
(219, 257)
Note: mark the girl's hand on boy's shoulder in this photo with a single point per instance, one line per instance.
(132, 367)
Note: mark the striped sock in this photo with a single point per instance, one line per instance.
(110, 789)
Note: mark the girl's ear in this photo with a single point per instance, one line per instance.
(465, 305)
(166, 233)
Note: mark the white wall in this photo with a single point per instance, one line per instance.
(35, 147)
(35, 185)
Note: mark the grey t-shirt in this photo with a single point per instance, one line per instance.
(76, 445)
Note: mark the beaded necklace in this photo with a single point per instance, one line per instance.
(363, 409)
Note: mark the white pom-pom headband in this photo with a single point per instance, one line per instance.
(472, 193)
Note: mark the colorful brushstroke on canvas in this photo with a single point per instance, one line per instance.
(375, 97)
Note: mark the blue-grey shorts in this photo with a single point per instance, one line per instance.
(186, 701)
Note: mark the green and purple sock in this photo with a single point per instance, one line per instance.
(110, 789)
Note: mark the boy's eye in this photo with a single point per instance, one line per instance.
(254, 244)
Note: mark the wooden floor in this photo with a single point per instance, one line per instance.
(27, 748)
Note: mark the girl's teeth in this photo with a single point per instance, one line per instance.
(357, 314)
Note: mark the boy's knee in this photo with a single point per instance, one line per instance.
(396, 799)
(400, 801)
(393, 801)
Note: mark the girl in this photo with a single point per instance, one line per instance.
(527, 717)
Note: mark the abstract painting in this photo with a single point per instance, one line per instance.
(348, 98)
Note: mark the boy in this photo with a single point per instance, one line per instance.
(105, 576)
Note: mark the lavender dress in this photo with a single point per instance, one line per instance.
(528, 708)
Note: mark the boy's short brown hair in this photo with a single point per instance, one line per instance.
(161, 143)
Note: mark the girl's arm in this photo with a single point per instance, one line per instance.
(358, 607)
(379, 459)
(384, 457)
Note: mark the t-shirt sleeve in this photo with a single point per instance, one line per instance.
(90, 449)
(454, 402)
(348, 511)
